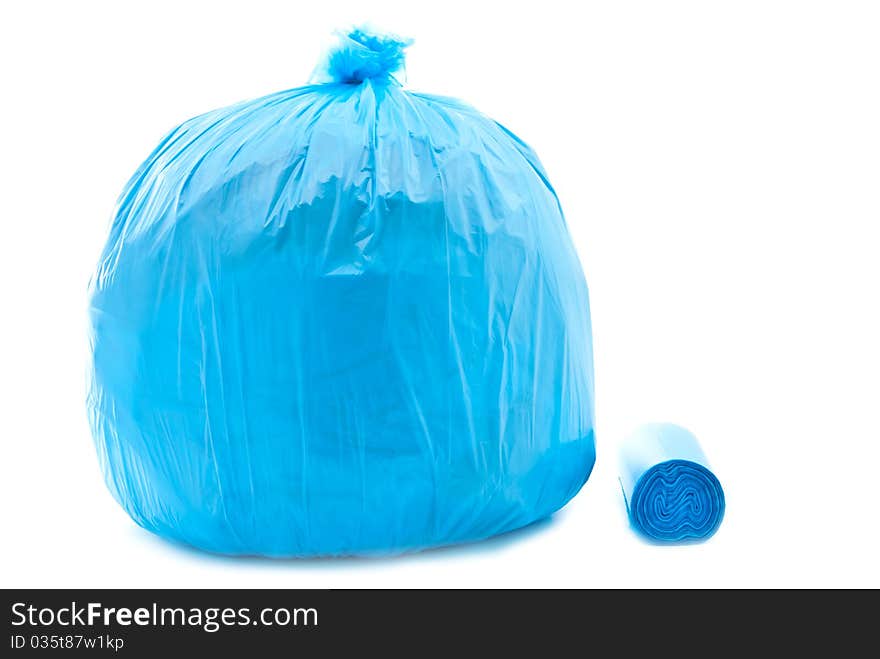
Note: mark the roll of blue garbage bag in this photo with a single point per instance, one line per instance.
(670, 492)
(344, 318)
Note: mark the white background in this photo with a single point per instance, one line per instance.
(719, 165)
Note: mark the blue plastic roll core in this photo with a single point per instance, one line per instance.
(670, 492)
(344, 318)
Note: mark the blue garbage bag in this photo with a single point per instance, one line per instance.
(340, 319)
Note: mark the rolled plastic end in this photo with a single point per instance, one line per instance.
(363, 55)
(677, 501)
(671, 494)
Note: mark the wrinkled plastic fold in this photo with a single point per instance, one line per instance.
(671, 493)
(340, 319)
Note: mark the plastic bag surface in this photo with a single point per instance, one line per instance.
(340, 319)
(671, 493)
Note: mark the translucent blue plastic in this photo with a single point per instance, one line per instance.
(670, 491)
(341, 319)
